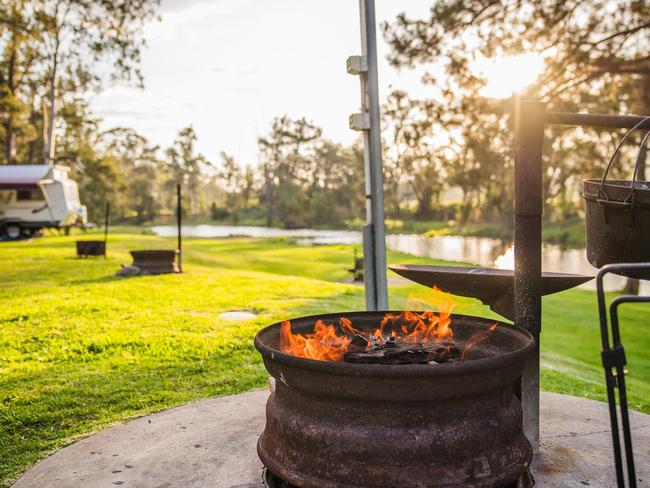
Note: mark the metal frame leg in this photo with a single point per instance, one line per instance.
(614, 361)
(529, 139)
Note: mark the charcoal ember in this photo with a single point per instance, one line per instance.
(401, 353)
(374, 342)
(445, 353)
(359, 341)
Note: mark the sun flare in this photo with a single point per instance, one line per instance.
(509, 74)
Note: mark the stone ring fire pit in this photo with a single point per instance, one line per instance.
(336, 424)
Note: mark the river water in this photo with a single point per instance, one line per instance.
(478, 250)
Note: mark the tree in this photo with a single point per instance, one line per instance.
(82, 35)
(187, 166)
(597, 59)
(79, 147)
(55, 50)
(584, 42)
(410, 156)
(18, 56)
(286, 152)
(232, 180)
(140, 168)
(335, 185)
(308, 179)
(118, 166)
(249, 187)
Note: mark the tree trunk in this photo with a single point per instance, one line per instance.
(48, 147)
(10, 141)
(50, 142)
(46, 131)
(33, 120)
(10, 133)
(268, 195)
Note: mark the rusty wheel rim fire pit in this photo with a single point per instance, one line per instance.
(335, 424)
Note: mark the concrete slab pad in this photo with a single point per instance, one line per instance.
(212, 444)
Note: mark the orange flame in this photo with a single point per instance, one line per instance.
(325, 344)
(476, 338)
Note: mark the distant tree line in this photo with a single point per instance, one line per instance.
(597, 55)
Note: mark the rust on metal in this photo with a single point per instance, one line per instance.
(339, 424)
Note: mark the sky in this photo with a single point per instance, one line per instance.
(228, 67)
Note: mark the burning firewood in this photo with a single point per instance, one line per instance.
(393, 352)
(408, 337)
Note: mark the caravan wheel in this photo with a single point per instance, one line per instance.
(12, 232)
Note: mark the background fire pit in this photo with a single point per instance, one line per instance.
(159, 261)
(155, 261)
(341, 424)
(96, 247)
(90, 248)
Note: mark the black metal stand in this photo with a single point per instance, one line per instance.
(613, 357)
(107, 213)
(179, 225)
(530, 121)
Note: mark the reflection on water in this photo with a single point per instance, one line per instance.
(481, 251)
(474, 250)
(308, 235)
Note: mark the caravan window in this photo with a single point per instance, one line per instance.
(29, 195)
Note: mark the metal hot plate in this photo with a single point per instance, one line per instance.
(493, 287)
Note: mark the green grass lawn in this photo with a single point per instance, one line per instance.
(81, 349)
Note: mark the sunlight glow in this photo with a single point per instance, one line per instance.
(506, 260)
(509, 74)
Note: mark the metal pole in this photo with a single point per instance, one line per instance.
(529, 138)
(376, 285)
(597, 120)
(179, 222)
(107, 211)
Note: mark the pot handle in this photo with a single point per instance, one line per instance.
(639, 158)
(603, 197)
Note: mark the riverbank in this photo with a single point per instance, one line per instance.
(568, 234)
(81, 349)
(481, 251)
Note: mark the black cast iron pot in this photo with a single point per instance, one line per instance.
(617, 214)
(617, 225)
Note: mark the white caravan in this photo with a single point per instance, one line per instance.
(36, 196)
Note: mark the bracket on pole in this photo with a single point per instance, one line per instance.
(360, 121)
(357, 65)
